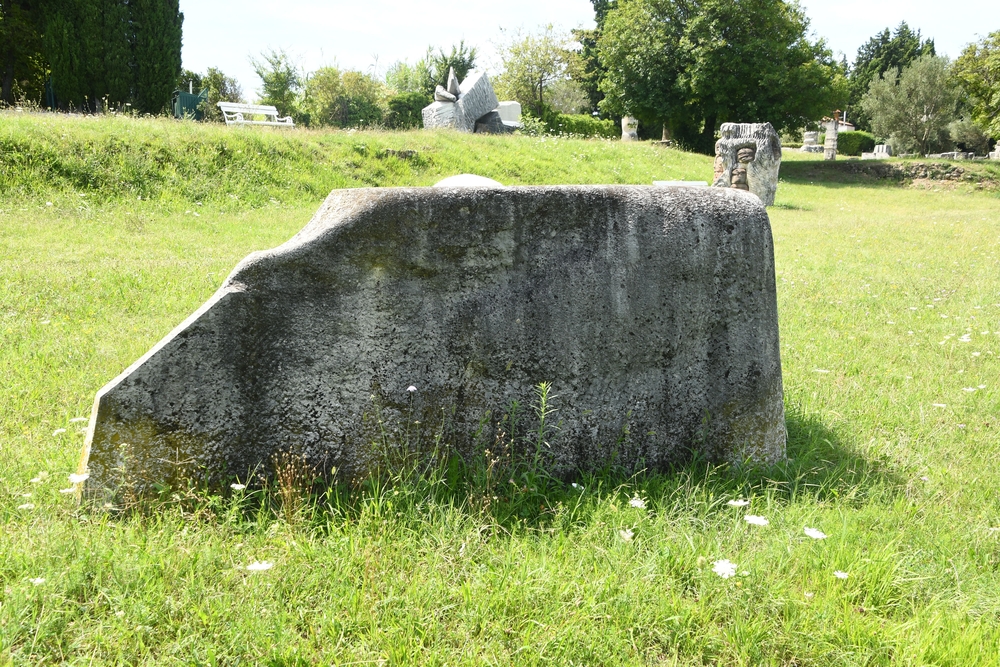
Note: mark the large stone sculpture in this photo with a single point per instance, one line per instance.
(810, 142)
(748, 157)
(405, 323)
(468, 107)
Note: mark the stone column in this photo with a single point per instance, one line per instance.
(830, 145)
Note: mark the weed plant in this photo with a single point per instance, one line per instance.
(889, 305)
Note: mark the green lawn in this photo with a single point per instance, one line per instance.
(889, 302)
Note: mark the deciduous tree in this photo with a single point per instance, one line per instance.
(913, 109)
(882, 53)
(978, 73)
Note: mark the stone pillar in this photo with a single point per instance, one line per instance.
(830, 145)
(630, 128)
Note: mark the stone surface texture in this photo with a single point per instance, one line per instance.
(510, 112)
(492, 123)
(810, 142)
(398, 318)
(438, 115)
(748, 157)
(476, 100)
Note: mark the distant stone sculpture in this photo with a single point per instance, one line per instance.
(402, 324)
(748, 157)
(830, 145)
(810, 142)
(510, 112)
(995, 155)
(630, 128)
(468, 107)
(882, 152)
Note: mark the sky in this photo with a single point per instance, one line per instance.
(376, 33)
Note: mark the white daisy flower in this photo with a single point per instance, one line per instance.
(815, 534)
(638, 502)
(755, 520)
(260, 566)
(840, 574)
(237, 487)
(37, 581)
(724, 568)
(738, 503)
(626, 534)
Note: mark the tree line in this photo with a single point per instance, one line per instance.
(90, 55)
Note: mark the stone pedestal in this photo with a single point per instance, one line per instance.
(830, 145)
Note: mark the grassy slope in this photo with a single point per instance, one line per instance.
(416, 575)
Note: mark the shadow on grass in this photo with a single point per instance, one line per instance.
(842, 173)
(820, 467)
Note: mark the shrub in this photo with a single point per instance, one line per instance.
(404, 110)
(581, 125)
(855, 143)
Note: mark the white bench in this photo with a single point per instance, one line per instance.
(242, 114)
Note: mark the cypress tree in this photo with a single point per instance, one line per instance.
(116, 52)
(156, 51)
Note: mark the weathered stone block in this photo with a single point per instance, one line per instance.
(400, 316)
(492, 123)
(438, 115)
(510, 112)
(748, 157)
(477, 100)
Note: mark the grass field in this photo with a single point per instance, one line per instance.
(889, 302)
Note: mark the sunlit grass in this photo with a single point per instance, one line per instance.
(889, 305)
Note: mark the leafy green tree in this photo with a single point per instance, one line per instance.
(913, 109)
(404, 110)
(343, 99)
(584, 64)
(417, 78)
(156, 51)
(221, 88)
(22, 66)
(280, 80)
(531, 63)
(978, 73)
(691, 65)
(462, 58)
(880, 54)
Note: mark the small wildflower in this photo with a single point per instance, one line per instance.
(638, 503)
(626, 534)
(738, 503)
(58, 431)
(119, 613)
(724, 568)
(411, 389)
(815, 534)
(237, 487)
(840, 574)
(260, 566)
(576, 486)
(26, 506)
(755, 520)
(71, 489)
(48, 203)
(925, 479)
(37, 581)
(810, 596)
(79, 478)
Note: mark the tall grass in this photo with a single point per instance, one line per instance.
(889, 304)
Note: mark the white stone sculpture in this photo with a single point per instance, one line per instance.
(748, 157)
(467, 107)
(830, 145)
(630, 128)
(810, 142)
